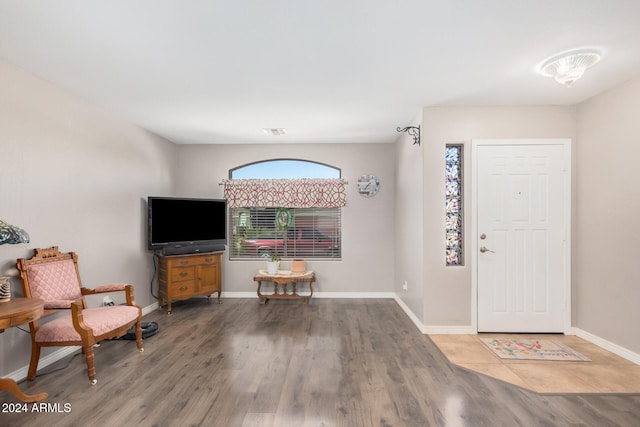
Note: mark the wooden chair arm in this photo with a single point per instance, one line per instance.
(115, 287)
(130, 296)
(102, 289)
(86, 333)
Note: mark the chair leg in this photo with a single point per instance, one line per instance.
(139, 335)
(91, 370)
(33, 364)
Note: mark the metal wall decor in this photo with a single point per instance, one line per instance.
(414, 131)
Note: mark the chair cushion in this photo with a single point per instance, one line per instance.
(100, 319)
(54, 280)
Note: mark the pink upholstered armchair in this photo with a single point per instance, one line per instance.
(53, 276)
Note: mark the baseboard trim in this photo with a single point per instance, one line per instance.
(450, 330)
(421, 327)
(434, 330)
(148, 309)
(45, 361)
(608, 345)
(355, 295)
(351, 295)
(239, 295)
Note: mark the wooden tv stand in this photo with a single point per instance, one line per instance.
(182, 277)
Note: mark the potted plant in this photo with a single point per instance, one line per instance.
(273, 262)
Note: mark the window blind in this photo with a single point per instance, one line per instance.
(288, 232)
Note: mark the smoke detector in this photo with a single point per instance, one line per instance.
(274, 131)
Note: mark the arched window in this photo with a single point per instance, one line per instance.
(290, 232)
(284, 169)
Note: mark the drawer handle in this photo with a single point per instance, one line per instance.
(184, 273)
(208, 259)
(183, 288)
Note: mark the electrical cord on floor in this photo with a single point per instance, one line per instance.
(62, 368)
(155, 273)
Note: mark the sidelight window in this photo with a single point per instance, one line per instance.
(453, 204)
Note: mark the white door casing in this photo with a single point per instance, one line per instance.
(521, 235)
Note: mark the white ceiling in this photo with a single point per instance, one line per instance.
(219, 71)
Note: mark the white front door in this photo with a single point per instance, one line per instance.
(522, 227)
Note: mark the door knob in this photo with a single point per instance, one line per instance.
(484, 249)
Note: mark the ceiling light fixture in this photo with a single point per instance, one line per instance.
(274, 131)
(569, 66)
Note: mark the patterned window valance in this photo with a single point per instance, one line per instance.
(285, 193)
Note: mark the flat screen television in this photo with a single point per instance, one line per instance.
(186, 225)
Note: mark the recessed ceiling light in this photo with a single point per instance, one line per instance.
(274, 131)
(569, 66)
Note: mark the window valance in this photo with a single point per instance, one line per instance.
(285, 193)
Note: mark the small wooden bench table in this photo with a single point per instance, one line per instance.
(284, 278)
(13, 313)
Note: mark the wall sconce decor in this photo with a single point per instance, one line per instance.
(414, 131)
(11, 234)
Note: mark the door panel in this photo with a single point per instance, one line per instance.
(522, 229)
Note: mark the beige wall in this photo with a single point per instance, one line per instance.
(409, 224)
(368, 223)
(75, 177)
(447, 290)
(606, 273)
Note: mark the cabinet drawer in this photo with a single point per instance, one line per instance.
(210, 259)
(25, 318)
(194, 260)
(178, 274)
(182, 288)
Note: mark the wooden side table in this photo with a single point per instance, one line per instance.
(285, 278)
(14, 313)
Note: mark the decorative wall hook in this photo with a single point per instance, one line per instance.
(414, 131)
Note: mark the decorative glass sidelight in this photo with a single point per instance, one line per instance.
(453, 204)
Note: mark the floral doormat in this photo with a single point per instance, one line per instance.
(512, 348)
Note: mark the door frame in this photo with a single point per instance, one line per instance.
(566, 144)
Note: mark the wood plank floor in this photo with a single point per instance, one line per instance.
(334, 362)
